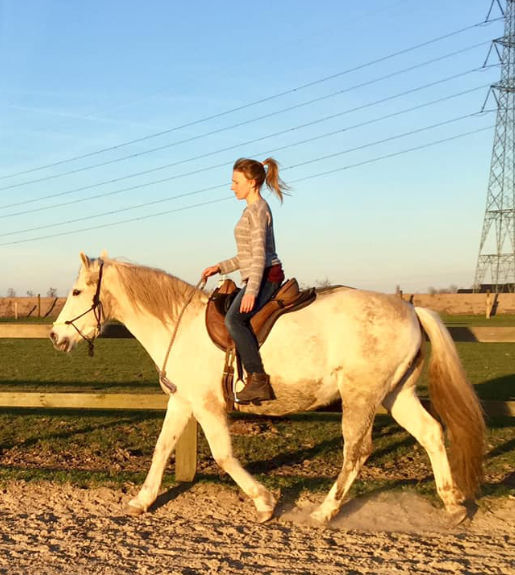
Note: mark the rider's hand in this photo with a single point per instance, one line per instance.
(247, 303)
(210, 271)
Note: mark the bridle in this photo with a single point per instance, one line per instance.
(97, 309)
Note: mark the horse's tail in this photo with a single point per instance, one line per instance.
(455, 401)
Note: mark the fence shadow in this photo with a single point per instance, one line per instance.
(498, 388)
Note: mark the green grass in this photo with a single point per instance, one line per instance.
(118, 365)
(504, 320)
(489, 367)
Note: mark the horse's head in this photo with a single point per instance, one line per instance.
(82, 315)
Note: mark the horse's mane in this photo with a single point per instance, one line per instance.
(152, 289)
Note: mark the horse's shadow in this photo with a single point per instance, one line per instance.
(169, 495)
(288, 508)
(294, 457)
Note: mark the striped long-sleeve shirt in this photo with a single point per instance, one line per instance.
(255, 243)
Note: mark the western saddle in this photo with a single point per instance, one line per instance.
(288, 298)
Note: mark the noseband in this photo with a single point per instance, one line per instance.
(96, 308)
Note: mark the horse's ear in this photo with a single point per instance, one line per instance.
(85, 260)
(104, 255)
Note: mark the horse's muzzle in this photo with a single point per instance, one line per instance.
(61, 344)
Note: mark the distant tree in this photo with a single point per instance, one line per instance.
(11, 292)
(30, 293)
(52, 292)
(450, 289)
(325, 283)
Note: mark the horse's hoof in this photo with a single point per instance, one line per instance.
(319, 517)
(457, 515)
(264, 516)
(134, 510)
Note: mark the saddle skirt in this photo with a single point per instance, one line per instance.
(288, 298)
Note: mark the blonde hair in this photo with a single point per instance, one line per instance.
(254, 170)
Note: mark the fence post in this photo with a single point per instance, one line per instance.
(39, 305)
(186, 453)
(15, 304)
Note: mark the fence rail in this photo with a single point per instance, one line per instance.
(482, 334)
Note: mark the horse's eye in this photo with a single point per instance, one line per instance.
(76, 292)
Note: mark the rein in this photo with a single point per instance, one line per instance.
(162, 372)
(96, 308)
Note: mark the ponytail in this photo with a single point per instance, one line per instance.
(272, 180)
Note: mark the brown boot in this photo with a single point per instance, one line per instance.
(257, 389)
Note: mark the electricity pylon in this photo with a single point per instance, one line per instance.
(496, 261)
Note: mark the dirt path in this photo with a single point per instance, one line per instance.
(48, 529)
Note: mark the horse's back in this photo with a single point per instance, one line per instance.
(363, 308)
(351, 324)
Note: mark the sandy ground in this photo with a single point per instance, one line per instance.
(48, 529)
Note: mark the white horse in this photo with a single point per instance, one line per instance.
(364, 347)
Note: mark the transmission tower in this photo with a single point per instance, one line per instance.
(496, 261)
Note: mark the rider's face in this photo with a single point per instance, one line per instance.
(242, 187)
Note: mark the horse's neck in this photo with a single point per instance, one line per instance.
(149, 330)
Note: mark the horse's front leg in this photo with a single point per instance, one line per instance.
(177, 415)
(213, 419)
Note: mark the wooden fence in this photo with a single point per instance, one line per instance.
(186, 448)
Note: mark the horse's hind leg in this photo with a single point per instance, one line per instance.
(213, 420)
(357, 436)
(407, 410)
(177, 415)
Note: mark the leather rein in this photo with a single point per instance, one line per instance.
(164, 381)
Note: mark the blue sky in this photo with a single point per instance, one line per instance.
(222, 80)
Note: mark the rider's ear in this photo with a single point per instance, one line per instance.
(85, 259)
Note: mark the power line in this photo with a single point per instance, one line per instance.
(201, 204)
(267, 152)
(244, 122)
(305, 163)
(172, 164)
(118, 211)
(255, 102)
(392, 155)
(384, 140)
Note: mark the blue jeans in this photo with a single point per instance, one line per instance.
(239, 327)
